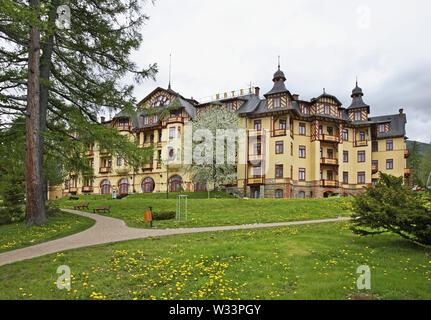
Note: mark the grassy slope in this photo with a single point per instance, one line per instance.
(18, 235)
(216, 212)
(301, 262)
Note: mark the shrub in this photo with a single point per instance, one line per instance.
(52, 209)
(12, 191)
(163, 215)
(390, 206)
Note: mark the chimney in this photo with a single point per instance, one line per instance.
(295, 96)
(102, 119)
(256, 91)
(401, 111)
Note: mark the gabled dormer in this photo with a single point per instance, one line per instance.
(326, 104)
(278, 96)
(358, 110)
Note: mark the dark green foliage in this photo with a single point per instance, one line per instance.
(164, 215)
(390, 206)
(12, 193)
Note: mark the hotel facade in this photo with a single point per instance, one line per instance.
(296, 148)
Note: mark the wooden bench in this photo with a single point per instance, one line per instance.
(73, 198)
(102, 208)
(82, 206)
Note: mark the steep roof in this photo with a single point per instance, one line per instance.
(397, 125)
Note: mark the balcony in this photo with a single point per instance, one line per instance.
(407, 172)
(123, 170)
(173, 120)
(88, 189)
(406, 153)
(254, 133)
(256, 180)
(148, 166)
(329, 183)
(104, 151)
(255, 157)
(374, 169)
(328, 138)
(73, 190)
(104, 170)
(278, 132)
(159, 144)
(329, 161)
(89, 153)
(124, 128)
(362, 143)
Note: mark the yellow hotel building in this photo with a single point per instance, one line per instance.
(299, 149)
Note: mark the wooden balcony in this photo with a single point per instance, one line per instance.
(256, 180)
(89, 153)
(329, 161)
(124, 128)
(406, 153)
(88, 189)
(73, 189)
(407, 172)
(328, 138)
(362, 143)
(278, 132)
(104, 151)
(374, 169)
(329, 183)
(104, 170)
(159, 144)
(173, 120)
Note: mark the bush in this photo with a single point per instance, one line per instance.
(12, 191)
(164, 215)
(390, 206)
(52, 209)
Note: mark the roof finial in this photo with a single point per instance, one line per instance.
(170, 65)
(356, 80)
(279, 63)
(324, 91)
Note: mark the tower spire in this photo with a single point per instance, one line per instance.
(278, 62)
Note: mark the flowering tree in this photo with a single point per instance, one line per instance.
(214, 147)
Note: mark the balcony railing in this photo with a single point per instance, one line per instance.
(173, 120)
(360, 143)
(104, 151)
(104, 170)
(88, 189)
(328, 138)
(406, 153)
(407, 172)
(159, 144)
(329, 183)
(124, 128)
(329, 161)
(123, 170)
(147, 166)
(278, 132)
(255, 180)
(73, 189)
(255, 157)
(254, 133)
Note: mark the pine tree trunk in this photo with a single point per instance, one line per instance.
(35, 205)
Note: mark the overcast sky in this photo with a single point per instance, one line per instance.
(224, 45)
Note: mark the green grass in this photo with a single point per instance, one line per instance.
(300, 262)
(18, 235)
(215, 212)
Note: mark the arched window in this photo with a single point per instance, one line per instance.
(148, 185)
(123, 186)
(105, 187)
(175, 183)
(301, 194)
(279, 193)
(199, 186)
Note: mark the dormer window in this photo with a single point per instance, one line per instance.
(327, 110)
(123, 122)
(381, 128)
(277, 102)
(306, 109)
(229, 106)
(357, 115)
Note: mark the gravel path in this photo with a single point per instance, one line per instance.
(107, 229)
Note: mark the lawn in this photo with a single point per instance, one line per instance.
(215, 212)
(300, 262)
(18, 235)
